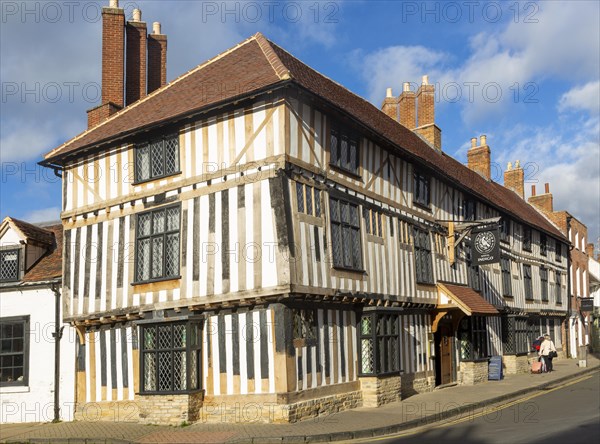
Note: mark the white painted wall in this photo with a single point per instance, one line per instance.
(35, 402)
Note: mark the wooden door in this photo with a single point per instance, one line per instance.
(446, 342)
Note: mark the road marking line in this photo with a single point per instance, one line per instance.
(471, 417)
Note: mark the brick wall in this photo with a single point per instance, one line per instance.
(113, 55)
(169, 409)
(479, 160)
(472, 373)
(136, 62)
(380, 390)
(514, 180)
(513, 365)
(407, 108)
(157, 61)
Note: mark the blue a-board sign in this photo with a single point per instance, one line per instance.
(495, 368)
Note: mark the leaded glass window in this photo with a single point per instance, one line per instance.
(526, 238)
(344, 150)
(527, 282)
(305, 324)
(308, 199)
(14, 350)
(421, 189)
(505, 265)
(544, 283)
(472, 335)
(423, 262)
(170, 357)
(158, 244)
(9, 265)
(543, 244)
(158, 158)
(373, 222)
(557, 287)
(379, 339)
(345, 234)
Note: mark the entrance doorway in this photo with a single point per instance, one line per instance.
(444, 363)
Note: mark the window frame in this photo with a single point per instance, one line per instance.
(151, 236)
(472, 331)
(527, 240)
(558, 287)
(189, 349)
(505, 223)
(422, 253)
(505, 267)
(528, 282)
(421, 179)
(557, 251)
(473, 272)
(304, 327)
(544, 283)
(543, 244)
(373, 220)
(469, 210)
(24, 321)
(17, 251)
(388, 336)
(344, 134)
(355, 230)
(162, 139)
(303, 190)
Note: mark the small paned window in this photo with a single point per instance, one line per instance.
(157, 244)
(156, 159)
(9, 265)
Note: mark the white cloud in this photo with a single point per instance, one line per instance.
(50, 214)
(586, 97)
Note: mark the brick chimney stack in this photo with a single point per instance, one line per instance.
(157, 58)
(514, 179)
(426, 126)
(135, 87)
(407, 107)
(113, 64)
(390, 104)
(542, 202)
(479, 157)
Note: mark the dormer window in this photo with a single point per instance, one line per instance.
(156, 159)
(9, 265)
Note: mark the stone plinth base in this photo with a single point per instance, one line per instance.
(472, 373)
(170, 409)
(515, 364)
(380, 390)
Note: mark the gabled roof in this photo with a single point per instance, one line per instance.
(30, 232)
(49, 267)
(257, 64)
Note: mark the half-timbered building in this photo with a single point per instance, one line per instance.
(252, 241)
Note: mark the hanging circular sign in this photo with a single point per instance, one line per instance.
(485, 242)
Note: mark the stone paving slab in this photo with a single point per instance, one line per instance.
(358, 423)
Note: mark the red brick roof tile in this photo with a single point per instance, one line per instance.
(470, 298)
(50, 265)
(256, 64)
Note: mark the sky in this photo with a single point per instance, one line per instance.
(526, 74)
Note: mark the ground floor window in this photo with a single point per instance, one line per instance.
(379, 340)
(472, 338)
(170, 357)
(515, 335)
(14, 350)
(305, 326)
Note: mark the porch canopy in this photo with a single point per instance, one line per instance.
(461, 300)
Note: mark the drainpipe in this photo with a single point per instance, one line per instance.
(57, 335)
(569, 277)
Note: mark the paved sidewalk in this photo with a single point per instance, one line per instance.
(358, 423)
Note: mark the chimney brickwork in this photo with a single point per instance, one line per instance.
(479, 157)
(390, 105)
(113, 55)
(425, 103)
(542, 202)
(157, 59)
(407, 106)
(514, 179)
(136, 61)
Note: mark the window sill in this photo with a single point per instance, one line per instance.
(342, 269)
(154, 281)
(15, 389)
(152, 179)
(343, 170)
(422, 206)
(186, 392)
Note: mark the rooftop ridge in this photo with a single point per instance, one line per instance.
(265, 45)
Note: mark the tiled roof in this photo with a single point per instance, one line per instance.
(469, 298)
(256, 64)
(33, 232)
(50, 265)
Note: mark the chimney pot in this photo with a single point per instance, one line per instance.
(473, 142)
(406, 86)
(114, 3)
(547, 188)
(517, 163)
(533, 190)
(156, 28)
(137, 15)
(509, 166)
(425, 80)
(483, 140)
(388, 92)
